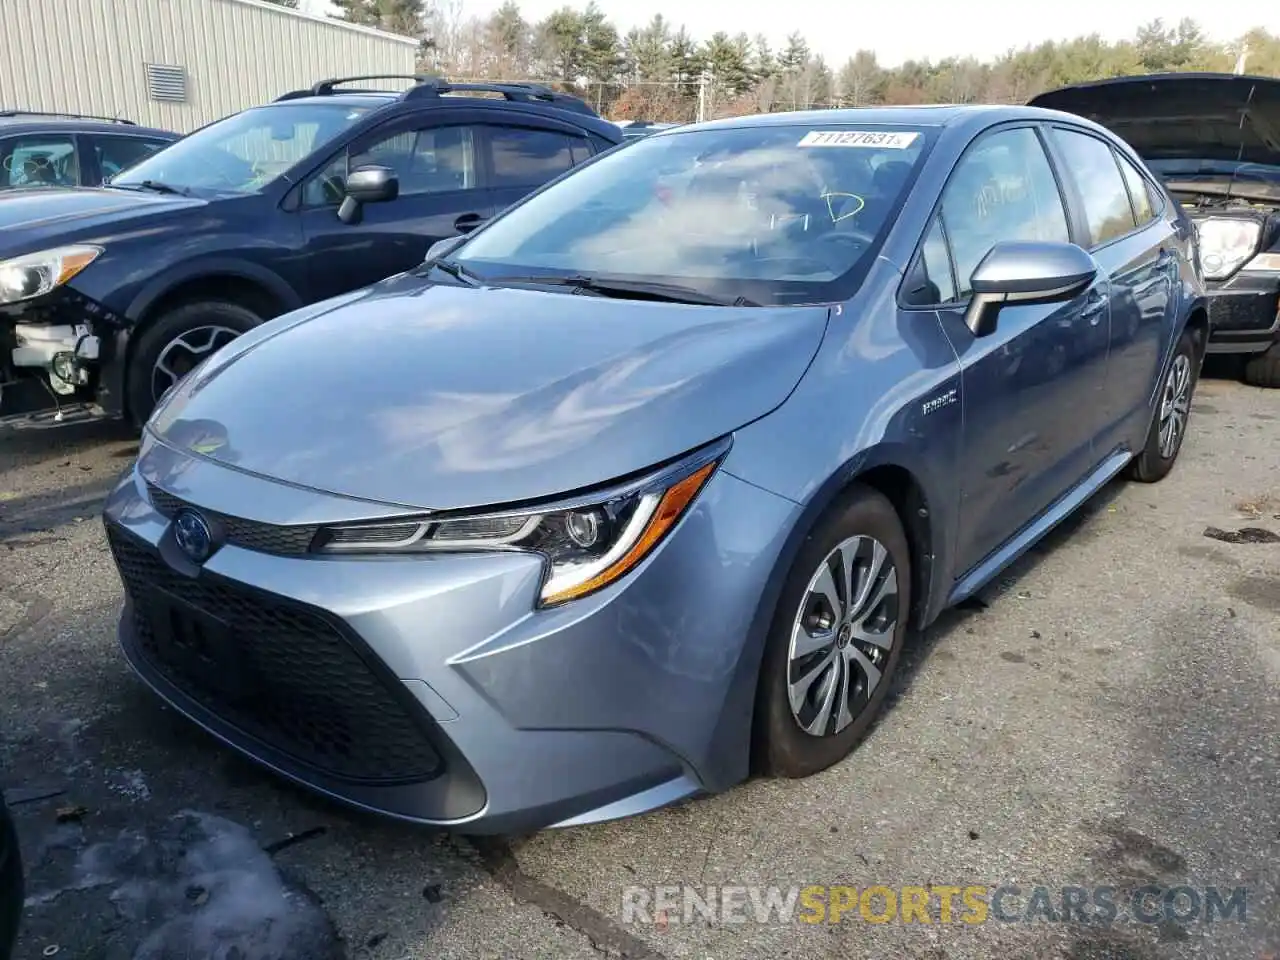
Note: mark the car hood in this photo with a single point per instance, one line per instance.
(1208, 116)
(447, 397)
(35, 218)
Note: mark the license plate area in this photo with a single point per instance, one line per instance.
(199, 645)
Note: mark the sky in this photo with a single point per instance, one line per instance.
(916, 29)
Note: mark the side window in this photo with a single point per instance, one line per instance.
(929, 281)
(1102, 188)
(529, 158)
(118, 153)
(1002, 189)
(435, 160)
(1139, 192)
(39, 161)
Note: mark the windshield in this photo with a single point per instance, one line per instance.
(776, 214)
(244, 152)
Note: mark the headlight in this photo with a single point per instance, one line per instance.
(37, 273)
(589, 542)
(1225, 244)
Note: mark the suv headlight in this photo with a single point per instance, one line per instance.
(37, 273)
(588, 542)
(1225, 244)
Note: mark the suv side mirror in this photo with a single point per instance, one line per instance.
(1026, 271)
(368, 184)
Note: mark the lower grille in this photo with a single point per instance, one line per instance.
(1241, 312)
(279, 672)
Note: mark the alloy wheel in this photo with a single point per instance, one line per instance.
(181, 355)
(842, 636)
(1175, 405)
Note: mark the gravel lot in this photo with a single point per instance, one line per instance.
(1108, 715)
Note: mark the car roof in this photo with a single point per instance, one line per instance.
(12, 122)
(376, 99)
(925, 115)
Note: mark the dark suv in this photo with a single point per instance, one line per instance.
(70, 149)
(108, 296)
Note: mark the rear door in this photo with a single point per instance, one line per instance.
(437, 158)
(527, 152)
(1137, 248)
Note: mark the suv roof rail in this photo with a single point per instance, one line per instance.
(325, 88)
(425, 86)
(67, 116)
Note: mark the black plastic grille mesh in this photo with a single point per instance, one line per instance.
(278, 672)
(291, 540)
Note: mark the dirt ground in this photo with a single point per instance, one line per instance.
(1107, 714)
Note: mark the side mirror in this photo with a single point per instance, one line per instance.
(442, 248)
(1026, 272)
(368, 184)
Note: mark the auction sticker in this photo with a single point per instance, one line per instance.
(886, 139)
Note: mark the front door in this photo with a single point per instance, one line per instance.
(1029, 387)
(442, 194)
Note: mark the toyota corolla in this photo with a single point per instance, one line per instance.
(645, 484)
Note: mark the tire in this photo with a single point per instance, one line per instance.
(860, 521)
(1263, 369)
(1173, 405)
(11, 883)
(210, 325)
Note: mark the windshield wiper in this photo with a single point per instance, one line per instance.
(153, 185)
(638, 289)
(458, 272)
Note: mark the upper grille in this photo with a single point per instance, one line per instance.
(280, 672)
(286, 540)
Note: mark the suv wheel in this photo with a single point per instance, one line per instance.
(175, 343)
(1263, 369)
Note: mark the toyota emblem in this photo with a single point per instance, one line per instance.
(193, 536)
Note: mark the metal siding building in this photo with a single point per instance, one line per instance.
(130, 58)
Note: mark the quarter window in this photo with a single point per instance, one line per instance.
(118, 153)
(1002, 189)
(930, 281)
(1102, 188)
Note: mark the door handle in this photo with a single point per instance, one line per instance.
(468, 222)
(1093, 310)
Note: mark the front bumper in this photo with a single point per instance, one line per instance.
(429, 688)
(1244, 313)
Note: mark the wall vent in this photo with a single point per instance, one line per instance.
(166, 83)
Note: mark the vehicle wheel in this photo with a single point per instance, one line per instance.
(1263, 369)
(1173, 410)
(171, 346)
(835, 639)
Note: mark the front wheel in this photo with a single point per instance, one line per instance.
(175, 343)
(1173, 411)
(1263, 369)
(836, 637)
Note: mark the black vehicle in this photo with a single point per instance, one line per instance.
(1214, 138)
(108, 296)
(70, 150)
(11, 885)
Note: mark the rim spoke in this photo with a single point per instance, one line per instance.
(870, 576)
(871, 671)
(844, 716)
(805, 642)
(848, 573)
(799, 688)
(825, 587)
(831, 685)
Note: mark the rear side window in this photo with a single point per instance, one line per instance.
(1139, 192)
(529, 158)
(115, 153)
(1092, 164)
